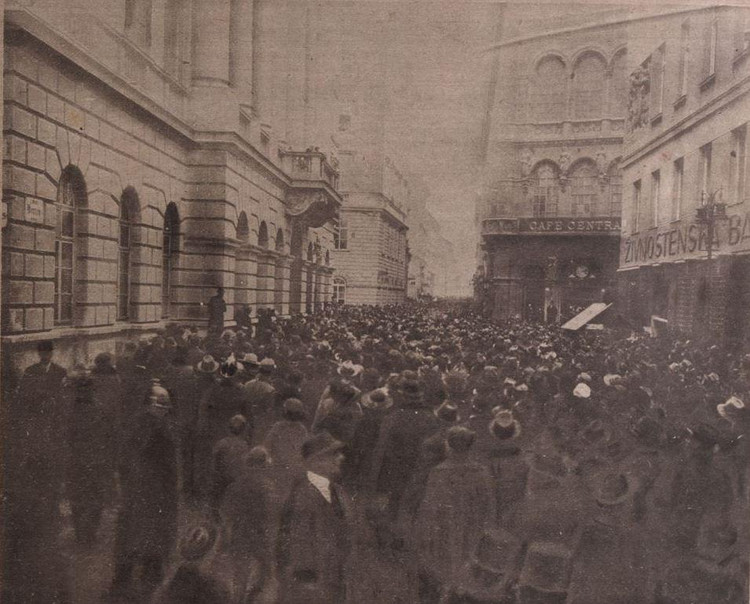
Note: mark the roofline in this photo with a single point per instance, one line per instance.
(560, 32)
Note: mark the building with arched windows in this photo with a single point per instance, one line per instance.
(145, 165)
(550, 201)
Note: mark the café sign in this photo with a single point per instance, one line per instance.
(685, 240)
(572, 225)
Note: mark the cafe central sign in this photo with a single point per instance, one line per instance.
(552, 226)
(686, 240)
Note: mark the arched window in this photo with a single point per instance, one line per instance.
(280, 240)
(619, 86)
(243, 230)
(547, 92)
(584, 188)
(339, 290)
(544, 190)
(169, 250)
(328, 257)
(71, 194)
(588, 87)
(310, 252)
(263, 235)
(128, 212)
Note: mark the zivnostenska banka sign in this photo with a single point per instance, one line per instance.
(685, 240)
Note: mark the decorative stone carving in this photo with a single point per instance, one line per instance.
(526, 162)
(640, 88)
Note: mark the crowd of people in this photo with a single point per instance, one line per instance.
(386, 454)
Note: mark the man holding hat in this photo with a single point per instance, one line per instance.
(314, 531)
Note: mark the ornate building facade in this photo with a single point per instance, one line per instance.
(549, 209)
(140, 173)
(685, 250)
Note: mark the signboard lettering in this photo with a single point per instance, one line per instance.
(569, 225)
(685, 240)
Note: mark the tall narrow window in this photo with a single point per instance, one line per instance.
(584, 189)
(588, 87)
(657, 76)
(677, 187)
(655, 197)
(339, 290)
(615, 191)
(70, 195)
(636, 206)
(684, 58)
(544, 191)
(123, 267)
(547, 97)
(341, 235)
(711, 41)
(170, 243)
(705, 173)
(620, 86)
(737, 162)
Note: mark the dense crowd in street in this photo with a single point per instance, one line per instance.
(407, 454)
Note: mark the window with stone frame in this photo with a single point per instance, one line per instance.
(588, 87)
(678, 184)
(341, 235)
(737, 165)
(544, 191)
(339, 290)
(70, 196)
(124, 260)
(548, 91)
(584, 189)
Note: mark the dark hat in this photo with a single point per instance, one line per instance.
(267, 365)
(320, 443)
(377, 399)
(198, 542)
(412, 389)
(237, 423)
(229, 367)
(460, 439)
(258, 456)
(447, 412)
(294, 409)
(614, 488)
(45, 346)
(103, 359)
(503, 426)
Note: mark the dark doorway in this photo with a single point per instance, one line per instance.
(533, 293)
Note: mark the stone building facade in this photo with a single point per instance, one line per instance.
(549, 211)
(685, 174)
(370, 253)
(138, 175)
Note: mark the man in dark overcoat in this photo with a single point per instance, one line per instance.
(147, 522)
(314, 532)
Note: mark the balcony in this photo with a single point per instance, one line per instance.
(309, 165)
(312, 196)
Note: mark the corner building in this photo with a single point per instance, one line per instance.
(139, 175)
(549, 210)
(685, 160)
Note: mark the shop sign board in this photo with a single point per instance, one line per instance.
(685, 240)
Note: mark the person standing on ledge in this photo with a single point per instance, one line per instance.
(216, 309)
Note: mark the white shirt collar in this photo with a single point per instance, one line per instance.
(321, 483)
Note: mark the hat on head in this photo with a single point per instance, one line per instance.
(320, 443)
(613, 488)
(377, 399)
(584, 377)
(412, 389)
(45, 346)
(198, 542)
(237, 423)
(258, 457)
(730, 404)
(503, 426)
(250, 360)
(294, 409)
(207, 365)
(103, 359)
(158, 395)
(581, 391)
(612, 379)
(349, 369)
(267, 365)
(447, 412)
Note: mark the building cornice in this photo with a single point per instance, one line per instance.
(606, 24)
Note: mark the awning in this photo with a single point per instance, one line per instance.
(586, 316)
